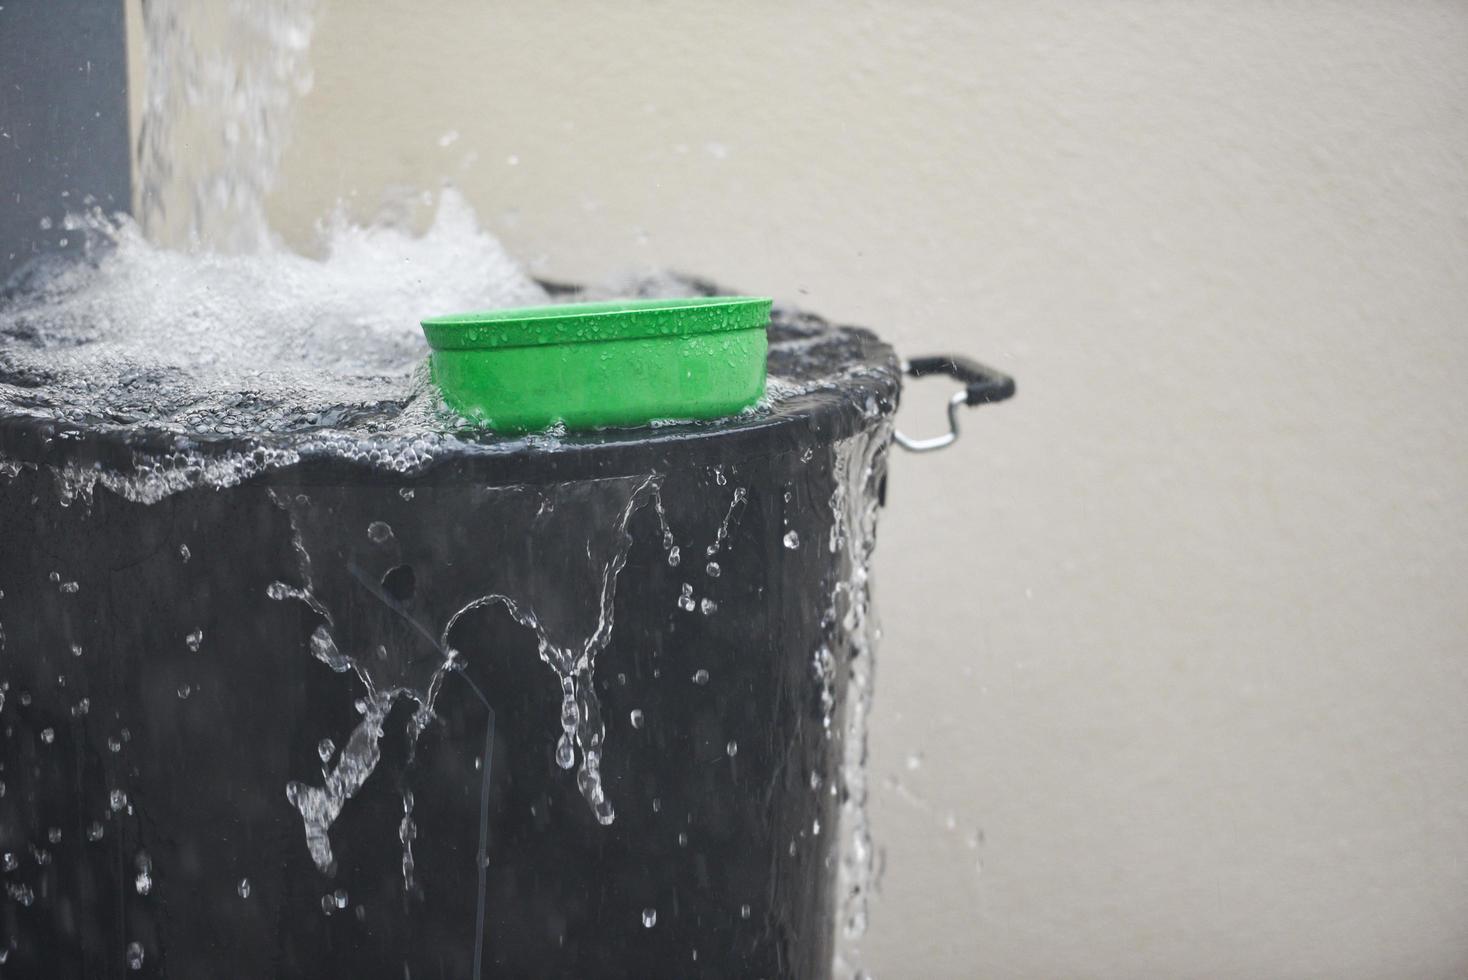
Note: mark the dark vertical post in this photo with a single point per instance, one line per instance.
(63, 121)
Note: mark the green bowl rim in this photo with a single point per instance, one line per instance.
(580, 323)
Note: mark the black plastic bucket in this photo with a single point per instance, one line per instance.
(679, 613)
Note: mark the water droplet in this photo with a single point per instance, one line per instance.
(11, 861)
(21, 893)
(95, 831)
(195, 640)
(744, 911)
(326, 748)
(405, 492)
(732, 749)
(340, 898)
(184, 553)
(636, 717)
(184, 691)
(674, 556)
(683, 839)
(243, 888)
(815, 828)
(915, 760)
(565, 752)
(685, 600)
(708, 607)
(719, 476)
(700, 676)
(712, 569)
(54, 835)
(117, 799)
(792, 540)
(134, 956)
(81, 707)
(657, 805)
(649, 918)
(48, 735)
(113, 744)
(76, 649)
(70, 588)
(379, 531)
(144, 881)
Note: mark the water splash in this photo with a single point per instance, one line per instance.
(132, 339)
(568, 641)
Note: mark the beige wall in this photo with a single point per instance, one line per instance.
(1183, 630)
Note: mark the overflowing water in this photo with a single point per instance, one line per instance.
(567, 604)
(193, 338)
(215, 345)
(860, 469)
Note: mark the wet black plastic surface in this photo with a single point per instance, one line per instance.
(205, 775)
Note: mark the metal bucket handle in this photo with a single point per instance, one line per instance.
(982, 385)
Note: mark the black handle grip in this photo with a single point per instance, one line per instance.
(982, 384)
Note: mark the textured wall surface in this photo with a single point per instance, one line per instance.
(1182, 631)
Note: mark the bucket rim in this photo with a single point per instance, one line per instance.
(591, 322)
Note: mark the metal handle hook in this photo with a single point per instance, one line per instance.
(982, 385)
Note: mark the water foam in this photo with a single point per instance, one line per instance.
(140, 336)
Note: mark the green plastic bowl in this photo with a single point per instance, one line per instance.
(598, 365)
